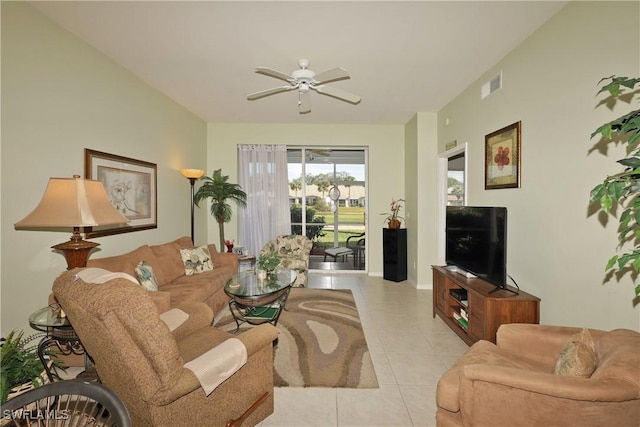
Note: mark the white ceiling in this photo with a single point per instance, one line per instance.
(403, 57)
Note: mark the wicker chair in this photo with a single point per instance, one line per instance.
(294, 251)
(66, 403)
(139, 357)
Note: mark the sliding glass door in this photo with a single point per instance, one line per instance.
(327, 197)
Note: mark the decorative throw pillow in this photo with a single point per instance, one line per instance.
(196, 260)
(578, 357)
(145, 276)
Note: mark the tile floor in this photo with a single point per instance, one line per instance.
(410, 351)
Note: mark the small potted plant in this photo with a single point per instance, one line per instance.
(19, 363)
(267, 263)
(393, 219)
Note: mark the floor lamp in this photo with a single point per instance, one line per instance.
(73, 203)
(192, 175)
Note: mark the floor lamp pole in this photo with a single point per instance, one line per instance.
(193, 183)
(192, 175)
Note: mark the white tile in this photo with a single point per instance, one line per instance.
(383, 406)
(303, 407)
(416, 369)
(421, 404)
(410, 351)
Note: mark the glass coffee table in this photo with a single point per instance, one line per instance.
(256, 301)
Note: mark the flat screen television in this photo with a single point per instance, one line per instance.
(476, 242)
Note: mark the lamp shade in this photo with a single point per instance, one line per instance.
(192, 173)
(73, 202)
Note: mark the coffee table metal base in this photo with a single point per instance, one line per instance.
(248, 310)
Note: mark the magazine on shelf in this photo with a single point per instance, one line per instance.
(461, 320)
(262, 312)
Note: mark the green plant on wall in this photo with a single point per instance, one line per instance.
(218, 188)
(621, 189)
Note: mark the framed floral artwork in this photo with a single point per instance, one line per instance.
(502, 158)
(131, 186)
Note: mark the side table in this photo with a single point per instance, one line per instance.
(59, 332)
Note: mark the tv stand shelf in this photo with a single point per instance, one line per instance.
(485, 308)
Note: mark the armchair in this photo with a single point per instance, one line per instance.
(137, 355)
(512, 383)
(294, 253)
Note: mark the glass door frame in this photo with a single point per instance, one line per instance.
(303, 198)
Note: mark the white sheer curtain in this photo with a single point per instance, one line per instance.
(263, 176)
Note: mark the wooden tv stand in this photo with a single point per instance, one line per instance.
(486, 310)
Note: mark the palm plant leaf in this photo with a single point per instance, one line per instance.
(219, 191)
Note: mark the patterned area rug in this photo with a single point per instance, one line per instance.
(320, 341)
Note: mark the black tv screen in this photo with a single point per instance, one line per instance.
(476, 241)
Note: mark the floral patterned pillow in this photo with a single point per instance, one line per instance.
(144, 274)
(196, 260)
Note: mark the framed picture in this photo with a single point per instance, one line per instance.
(502, 158)
(131, 186)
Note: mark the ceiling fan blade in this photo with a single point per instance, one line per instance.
(332, 75)
(268, 92)
(304, 102)
(274, 73)
(338, 93)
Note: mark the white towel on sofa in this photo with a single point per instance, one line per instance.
(174, 318)
(216, 365)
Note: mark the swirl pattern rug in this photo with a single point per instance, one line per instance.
(320, 341)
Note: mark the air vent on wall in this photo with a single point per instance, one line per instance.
(491, 86)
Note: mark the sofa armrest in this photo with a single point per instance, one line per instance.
(258, 337)
(254, 340)
(200, 316)
(556, 386)
(223, 258)
(537, 343)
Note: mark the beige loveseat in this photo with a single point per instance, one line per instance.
(173, 285)
(512, 383)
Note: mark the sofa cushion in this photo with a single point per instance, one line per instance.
(144, 273)
(578, 357)
(169, 259)
(127, 262)
(196, 260)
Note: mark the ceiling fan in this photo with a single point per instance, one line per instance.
(305, 80)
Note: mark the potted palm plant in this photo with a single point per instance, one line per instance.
(622, 189)
(218, 188)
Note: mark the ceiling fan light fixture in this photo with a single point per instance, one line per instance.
(304, 79)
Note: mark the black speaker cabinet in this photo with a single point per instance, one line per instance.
(394, 242)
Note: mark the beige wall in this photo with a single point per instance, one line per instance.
(386, 164)
(557, 247)
(421, 149)
(59, 96)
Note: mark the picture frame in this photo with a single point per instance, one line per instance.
(131, 186)
(502, 157)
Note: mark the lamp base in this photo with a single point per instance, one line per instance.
(76, 251)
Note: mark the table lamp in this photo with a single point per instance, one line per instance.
(192, 175)
(73, 203)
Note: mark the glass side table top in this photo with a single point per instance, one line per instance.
(48, 317)
(247, 285)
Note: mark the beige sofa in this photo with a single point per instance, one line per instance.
(512, 383)
(173, 285)
(148, 362)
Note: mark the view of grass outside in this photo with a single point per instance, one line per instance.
(351, 223)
